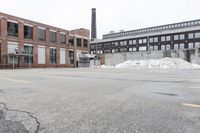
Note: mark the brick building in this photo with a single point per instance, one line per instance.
(25, 43)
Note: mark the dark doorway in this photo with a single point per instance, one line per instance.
(187, 55)
(76, 63)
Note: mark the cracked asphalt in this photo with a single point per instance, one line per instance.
(8, 126)
(88, 100)
(17, 125)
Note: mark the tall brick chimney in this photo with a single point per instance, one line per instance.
(93, 26)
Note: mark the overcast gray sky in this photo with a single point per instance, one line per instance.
(111, 14)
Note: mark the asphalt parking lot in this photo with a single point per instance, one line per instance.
(95, 100)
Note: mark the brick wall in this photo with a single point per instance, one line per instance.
(78, 33)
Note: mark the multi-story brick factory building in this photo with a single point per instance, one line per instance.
(178, 40)
(25, 43)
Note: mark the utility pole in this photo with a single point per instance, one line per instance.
(13, 57)
(148, 43)
(95, 58)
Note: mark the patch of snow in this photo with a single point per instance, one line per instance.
(156, 63)
(196, 66)
(104, 66)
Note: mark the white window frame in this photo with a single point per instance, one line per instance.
(134, 42)
(155, 39)
(140, 41)
(190, 45)
(176, 37)
(182, 36)
(168, 38)
(130, 42)
(176, 46)
(163, 39)
(144, 40)
(190, 35)
(182, 46)
(197, 35)
(142, 48)
(162, 47)
(168, 47)
(151, 39)
(155, 47)
(150, 48)
(197, 44)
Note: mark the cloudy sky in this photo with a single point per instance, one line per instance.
(112, 15)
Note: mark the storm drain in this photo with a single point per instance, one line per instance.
(167, 94)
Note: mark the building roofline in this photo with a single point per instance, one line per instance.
(172, 31)
(24, 20)
(146, 30)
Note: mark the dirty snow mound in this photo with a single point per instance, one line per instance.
(158, 63)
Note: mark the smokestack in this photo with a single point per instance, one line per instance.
(93, 26)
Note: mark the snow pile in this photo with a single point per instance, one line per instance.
(104, 66)
(158, 63)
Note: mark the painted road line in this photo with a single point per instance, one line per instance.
(49, 76)
(15, 80)
(191, 105)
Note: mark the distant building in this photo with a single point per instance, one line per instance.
(184, 36)
(25, 43)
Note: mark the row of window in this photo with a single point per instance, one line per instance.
(152, 40)
(53, 36)
(159, 28)
(144, 48)
(28, 59)
(29, 52)
(12, 29)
